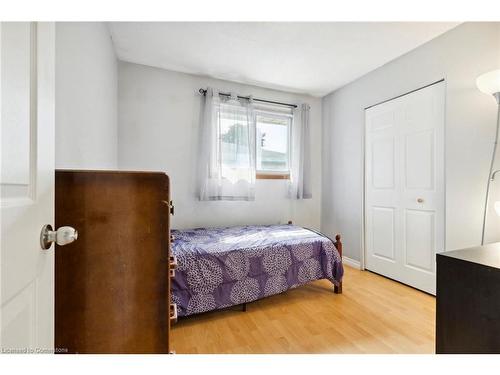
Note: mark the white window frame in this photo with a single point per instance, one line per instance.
(285, 174)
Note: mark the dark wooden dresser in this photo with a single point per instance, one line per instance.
(468, 300)
(112, 284)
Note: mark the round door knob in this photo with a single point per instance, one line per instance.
(420, 200)
(62, 236)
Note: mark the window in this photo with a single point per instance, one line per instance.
(235, 143)
(273, 145)
(263, 150)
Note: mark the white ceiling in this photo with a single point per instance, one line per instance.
(310, 58)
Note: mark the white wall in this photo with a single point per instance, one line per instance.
(458, 56)
(86, 96)
(159, 115)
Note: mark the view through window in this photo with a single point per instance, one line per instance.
(272, 145)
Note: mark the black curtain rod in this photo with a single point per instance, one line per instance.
(204, 92)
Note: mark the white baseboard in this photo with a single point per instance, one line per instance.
(351, 262)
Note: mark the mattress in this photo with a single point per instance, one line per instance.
(223, 267)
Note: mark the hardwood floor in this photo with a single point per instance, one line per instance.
(373, 315)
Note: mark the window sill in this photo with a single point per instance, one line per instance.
(272, 176)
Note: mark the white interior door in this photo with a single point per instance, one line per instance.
(27, 186)
(404, 187)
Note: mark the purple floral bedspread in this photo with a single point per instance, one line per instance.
(222, 267)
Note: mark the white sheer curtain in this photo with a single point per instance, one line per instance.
(300, 173)
(227, 148)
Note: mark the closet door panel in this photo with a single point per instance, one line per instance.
(404, 175)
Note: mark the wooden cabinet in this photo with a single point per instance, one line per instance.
(112, 284)
(468, 300)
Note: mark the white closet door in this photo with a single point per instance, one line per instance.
(404, 187)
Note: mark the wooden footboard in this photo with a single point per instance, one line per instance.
(338, 245)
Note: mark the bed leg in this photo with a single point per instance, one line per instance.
(337, 289)
(244, 307)
(338, 244)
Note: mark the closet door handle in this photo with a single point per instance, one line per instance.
(420, 200)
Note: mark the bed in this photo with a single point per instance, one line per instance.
(222, 267)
